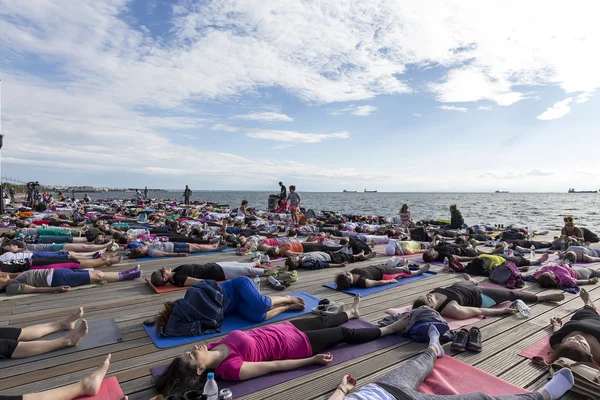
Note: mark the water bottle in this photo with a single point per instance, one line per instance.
(257, 282)
(532, 251)
(563, 245)
(211, 389)
(238, 250)
(446, 267)
(372, 243)
(523, 308)
(505, 249)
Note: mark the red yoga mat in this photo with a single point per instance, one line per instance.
(452, 377)
(538, 349)
(110, 390)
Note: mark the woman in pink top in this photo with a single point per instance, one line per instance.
(558, 276)
(245, 355)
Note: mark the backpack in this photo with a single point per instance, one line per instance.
(420, 331)
(507, 274)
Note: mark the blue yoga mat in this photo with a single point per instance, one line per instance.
(232, 322)
(227, 250)
(367, 291)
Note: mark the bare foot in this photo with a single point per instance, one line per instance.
(296, 306)
(115, 260)
(353, 313)
(467, 277)
(585, 296)
(76, 335)
(68, 323)
(425, 268)
(371, 255)
(91, 383)
(296, 300)
(554, 297)
(544, 257)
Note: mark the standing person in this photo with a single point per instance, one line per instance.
(282, 193)
(456, 219)
(146, 193)
(294, 200)
(11, 193)
(187, 193)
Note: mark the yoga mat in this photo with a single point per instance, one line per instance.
(367, 291)
(232, 322)
(100, 333)
(4, 296)
(452, 377)
(401, 256)
(539, 348)
(109, 390)
(340, 354)
(227, 250)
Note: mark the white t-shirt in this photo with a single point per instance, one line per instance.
(15, 256)
(370, 392)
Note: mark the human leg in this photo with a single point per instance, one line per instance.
(233, 269)
(99, 262)
(99, 276)
(31, 349)
(500, 295)
(37, 331)
(250, 297)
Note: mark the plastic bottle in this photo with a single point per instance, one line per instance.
(532, 251)
(257, 282)
(238, 250)
(505, 249)
(563, 245)
(211, 389)
(446, 267)
(523, 308)
(372, 243)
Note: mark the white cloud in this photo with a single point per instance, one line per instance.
(453, 108)
(292, 136)
(583, 97)
(264, 116)
(418, 115)
(484, 108)
(224, 127)
(558, 110)
(361, 111)
(281, 146)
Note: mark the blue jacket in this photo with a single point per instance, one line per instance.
(200, 312)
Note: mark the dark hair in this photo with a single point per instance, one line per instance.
(575, 354)
(460, 240)
(157, 279)
(179, 377)
(546, 281)
(271, 253)
(344, 241)
(342, 282)
(390, 233)
(418, 303)
(280, 183)
(135, 253)
(453, 207)
(244, 202)
(291, 264)
(572, 257)
(404, 208)
(428, 257)
(358, 229)
(163, 316)
(292, 232)
(340, 226)
(292, 187)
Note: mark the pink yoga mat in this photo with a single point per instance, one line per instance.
(451, 376)
(110, 390)
(538, 349)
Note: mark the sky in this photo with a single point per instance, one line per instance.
(406, 95)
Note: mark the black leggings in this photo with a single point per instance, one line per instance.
(325, 332)
(500, 295)
(519, 261)
(308, 247)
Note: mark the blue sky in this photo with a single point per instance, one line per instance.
(388, 95)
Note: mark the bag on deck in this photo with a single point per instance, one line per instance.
(507, 274)
(586, 374)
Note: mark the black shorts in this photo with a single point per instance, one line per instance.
(519, 261)
(11, 397)
(9, 338)
(586, 312)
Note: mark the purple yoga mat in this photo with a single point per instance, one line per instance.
(340, 354)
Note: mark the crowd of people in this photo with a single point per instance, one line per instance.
(66, 245)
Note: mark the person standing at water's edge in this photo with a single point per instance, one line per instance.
(187, 193)
(294, 200)
(282, 193)
(146, 193)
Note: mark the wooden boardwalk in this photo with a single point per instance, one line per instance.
(129, 303)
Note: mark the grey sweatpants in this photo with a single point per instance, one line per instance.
(404, 381)
(233, 269)
(587, 273)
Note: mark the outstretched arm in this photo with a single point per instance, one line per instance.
(460, 312)
(251, 370)
(371, 283)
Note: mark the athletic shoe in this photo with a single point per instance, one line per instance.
(474, 343)
(460, 341)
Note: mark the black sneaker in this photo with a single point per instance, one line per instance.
(460, 341)
(474, 343)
